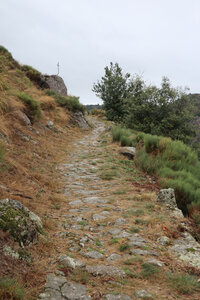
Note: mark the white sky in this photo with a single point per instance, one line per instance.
(151, 37)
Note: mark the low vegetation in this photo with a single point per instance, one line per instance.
(184, 283)
(69, 102)
(174, 163)
(10, 289)
(32, 105)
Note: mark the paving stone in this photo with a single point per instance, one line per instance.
(70, 262)
(117, 297)
(143, 294)
(93, 254)
(94, 200)
(76, 202)
(54, 282)
(97, 217)
(100, 270)
(74, 291)
(120, 221)
(115, 231)
(113, 257)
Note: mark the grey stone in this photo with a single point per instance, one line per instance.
(79, 120)
(8, 251)
(117, 297)
(70, 262)
(76, 202)
(100, 270)
(187, 249)
(143, 294)
(114, 231)
(167, 196)
(55, 83)
(54, 282)
(128, 152)
(154, 262)
(97, 217)
(23, 225)
(74, 291)
(113, 257)
(94, 200)
(51, 294)
(93, 254)
(120, 221)
(164, 240)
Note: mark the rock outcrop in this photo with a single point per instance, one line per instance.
(78, 119)
(22, 224)
(54, 83)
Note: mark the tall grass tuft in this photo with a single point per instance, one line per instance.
(10, 289)
(33, 106)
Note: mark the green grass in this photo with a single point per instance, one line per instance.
(11, 289)
(124, 247)
(183, 283)
(108, 174)
(149, 270)
(33, 106)
(114, 241)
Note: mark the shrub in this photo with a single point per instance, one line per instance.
(149, 270)
(32, 73)
(10, 289)
(33, 106)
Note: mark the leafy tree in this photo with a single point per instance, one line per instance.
(161, 111)
(113, 88)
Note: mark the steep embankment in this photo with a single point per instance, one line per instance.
(35, 131)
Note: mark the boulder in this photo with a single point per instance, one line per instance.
(167, 196)
(79, 120)
(54, 83)
(23, 225)
(128, 152)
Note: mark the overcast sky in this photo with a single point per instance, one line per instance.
(149, 37)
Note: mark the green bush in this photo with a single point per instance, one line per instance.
(10, 289)
(33, 106)
(70, 102)
(123, 135)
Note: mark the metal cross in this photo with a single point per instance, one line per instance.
(58, 65)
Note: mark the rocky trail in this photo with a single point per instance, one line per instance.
(115, 240)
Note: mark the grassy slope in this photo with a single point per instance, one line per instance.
(28, 170)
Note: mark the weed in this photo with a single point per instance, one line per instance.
(149, 270)
(129, 273)
(98, 243)
(114, 241)
(82, 223)
(134, 229)
(10, 289)
(184, 283)
(124, 247)
(120, 192)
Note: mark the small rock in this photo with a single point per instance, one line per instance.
(70, 262)
(8, 251)
(74, 291)
(143, 252)
(143, 294)
(128, 152)
(114, 231)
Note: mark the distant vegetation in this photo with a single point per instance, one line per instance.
(93, 106)
(130, 101)
(70, 102)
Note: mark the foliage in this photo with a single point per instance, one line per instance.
(10, 289)
(33, 106)
(32, 73)
(160, 111)
(113, 88)
(70, 102)
(184, 283)
(157, 110)
(149, 270)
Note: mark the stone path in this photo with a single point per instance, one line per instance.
(105, 230)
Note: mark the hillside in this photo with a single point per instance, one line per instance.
(106, 231)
